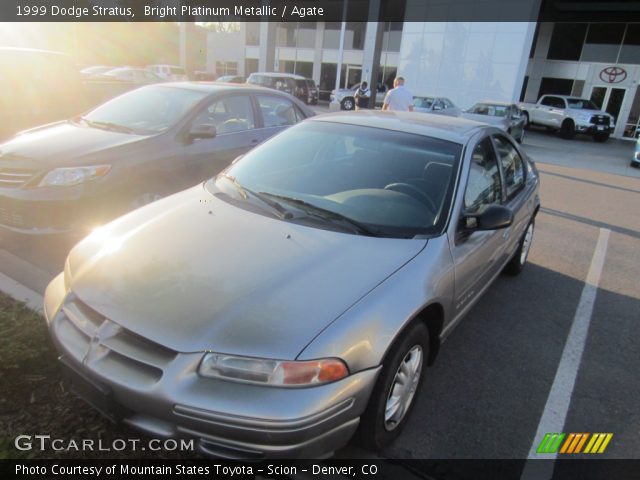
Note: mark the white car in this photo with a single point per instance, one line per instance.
(346, 96)
(169, 73)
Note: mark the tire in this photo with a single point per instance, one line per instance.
(408, 354)
(568, 130)
(527, 124)
(600, 137)
(519, 259)
(348, 104)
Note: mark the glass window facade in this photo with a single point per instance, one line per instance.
(252, 34)
(603, 42)
(630, 51)
(566, 41)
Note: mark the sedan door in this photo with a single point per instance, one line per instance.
(234, 120)
(514, 179)
(478, 256)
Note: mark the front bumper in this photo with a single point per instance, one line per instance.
(52, 211)
(591, 129)
(159, 391)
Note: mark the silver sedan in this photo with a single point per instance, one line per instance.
(506, 116)
(298, 297)
(441, 105)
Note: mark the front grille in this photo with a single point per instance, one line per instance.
(14, 177)
(600, 120)
(109, 349)
(10, 218)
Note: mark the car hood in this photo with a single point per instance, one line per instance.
(194, 273)
(587, 111)
(61, 144)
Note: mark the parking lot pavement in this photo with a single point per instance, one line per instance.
(613, 156)
(488, 390)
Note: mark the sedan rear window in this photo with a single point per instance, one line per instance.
(398, 183)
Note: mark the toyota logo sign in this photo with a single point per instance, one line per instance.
(613, 74)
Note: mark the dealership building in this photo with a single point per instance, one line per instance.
(464, 61)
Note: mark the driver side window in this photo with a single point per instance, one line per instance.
(483, 185)
(228, 115)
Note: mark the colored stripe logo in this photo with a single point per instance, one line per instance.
(574, 443)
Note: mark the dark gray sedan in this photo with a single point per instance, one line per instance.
(70, 176)
(299, 296)
(506, 116)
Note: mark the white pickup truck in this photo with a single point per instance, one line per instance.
(569, 115)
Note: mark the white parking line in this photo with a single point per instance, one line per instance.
(21, 293)
(557, 406)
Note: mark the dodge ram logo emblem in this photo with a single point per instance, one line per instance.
(613, 74)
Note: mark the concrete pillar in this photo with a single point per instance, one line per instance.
(317, 52)
(267, 46)
(372, 49)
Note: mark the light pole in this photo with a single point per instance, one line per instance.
(335, 104)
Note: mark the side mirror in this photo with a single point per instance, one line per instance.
(494, 217)
(201, 131)
(437, 107)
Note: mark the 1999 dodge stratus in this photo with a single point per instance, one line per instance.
(299, 295)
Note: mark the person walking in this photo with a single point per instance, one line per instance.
(362, 96)
(398, 99)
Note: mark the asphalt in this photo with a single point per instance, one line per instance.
(486, 393)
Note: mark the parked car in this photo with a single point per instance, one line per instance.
(37, 87)
(95, 70)
(169, 73)
(439, 105)
(504, 115)
(301, 293)
(147, 143)
(303, 88)
(133, 75)
(635, 160)
(230, 79)
(346, 96)
(569, 116)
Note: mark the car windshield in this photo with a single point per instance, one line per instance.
(489, 109)
(581, 104)
(422, 102)
(392, 183)
(146, 110)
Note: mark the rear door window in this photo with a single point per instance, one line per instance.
(512, 165)
(278, 112)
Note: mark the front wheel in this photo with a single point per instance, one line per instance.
(568, 130)
(519, 259)
(393, 396)
(348, 104)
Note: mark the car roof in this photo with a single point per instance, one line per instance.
(281, 75)
(32, 50)
(453, 129)
(496, 102)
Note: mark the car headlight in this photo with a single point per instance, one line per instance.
(68, 176)
(277, 373)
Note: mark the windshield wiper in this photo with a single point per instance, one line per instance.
(108, 126)
(283, 213)
(327, 214)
